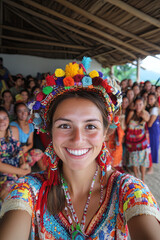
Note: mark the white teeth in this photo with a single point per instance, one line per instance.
(77, 152)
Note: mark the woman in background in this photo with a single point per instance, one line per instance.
(136, 139)
(11, 164)
(153, 126)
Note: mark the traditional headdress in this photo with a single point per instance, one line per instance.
(73, 79)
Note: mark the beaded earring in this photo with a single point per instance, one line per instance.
(104, 159)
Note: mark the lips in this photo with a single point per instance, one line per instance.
(77, 152)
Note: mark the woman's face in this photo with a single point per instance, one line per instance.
(4, 121)
(24, 96)
(125, 103)
(151, 100)
(22, 113)
(139, 106)
(130, 95)
(7, 97)
(136, 90)
(78, 132)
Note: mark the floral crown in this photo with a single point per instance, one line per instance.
(74, 78)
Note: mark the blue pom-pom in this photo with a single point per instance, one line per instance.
(100, 74)
(37, 105)
(59, 81)
(86, 62)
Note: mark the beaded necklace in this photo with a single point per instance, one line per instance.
(78, 232)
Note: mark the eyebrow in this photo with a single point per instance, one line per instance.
(67, 120)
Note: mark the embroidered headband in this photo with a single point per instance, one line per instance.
(72, 79)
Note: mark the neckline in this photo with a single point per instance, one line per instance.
(98, 216)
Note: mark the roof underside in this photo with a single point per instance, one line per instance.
(112, 32)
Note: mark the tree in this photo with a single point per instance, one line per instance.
(122, 72)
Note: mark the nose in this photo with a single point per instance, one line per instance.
(77, 134)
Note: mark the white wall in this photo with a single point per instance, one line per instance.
(26, 65)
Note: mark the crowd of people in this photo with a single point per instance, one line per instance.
(68, 124)
(135, 142)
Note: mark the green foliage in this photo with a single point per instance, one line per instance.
(121, 72)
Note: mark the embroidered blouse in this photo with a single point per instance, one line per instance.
(125, 197)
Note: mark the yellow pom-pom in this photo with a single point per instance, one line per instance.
(93, 74)
(80, 71)
(72, 69)
(59, 72)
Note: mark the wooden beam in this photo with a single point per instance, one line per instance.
(1, 20)
(70, 28)
(39, 50)
(104, 23)
(14, 29)
(135, 12)
(26, 19)
(42, 42)
(80, 24)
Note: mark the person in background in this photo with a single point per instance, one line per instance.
(124, 86)
(6, 80)
(8, 103)
(17, 88)
(153, 127)
(130, 96)
(11, 166)
(136, 139)
(130, 83)
(26, 131)
(136, 89)
(158, 94)
(153, 88)
(80, 196)
(147, 86)
(144, 95)
(24, 95)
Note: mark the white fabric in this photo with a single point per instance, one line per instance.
(154, 111)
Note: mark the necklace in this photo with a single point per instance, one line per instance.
(78, 232)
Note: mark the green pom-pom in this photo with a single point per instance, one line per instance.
(47, 90)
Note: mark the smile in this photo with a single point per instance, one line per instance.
(77, 152)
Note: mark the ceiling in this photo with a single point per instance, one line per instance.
(113, 32)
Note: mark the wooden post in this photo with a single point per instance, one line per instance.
(112, 72)
(138, 69)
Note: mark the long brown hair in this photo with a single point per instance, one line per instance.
(2, 109)
(56, 198)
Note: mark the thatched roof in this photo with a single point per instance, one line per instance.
(111, 31)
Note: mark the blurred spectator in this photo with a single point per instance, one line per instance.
(8, 104)
(147, 86)
(124, 85)
(5, 76)
(144, 95)
(17, 88)
(153, 126)
(24, 95)
(130, 83)
(130, 96)
(136, 89)
(158, 94)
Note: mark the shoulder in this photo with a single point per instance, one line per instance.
(14, 124)
(154, 111)
(15, 132)
(24, 194)
(31, 127)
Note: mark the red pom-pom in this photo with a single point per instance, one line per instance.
(50, 80)
(40, 96)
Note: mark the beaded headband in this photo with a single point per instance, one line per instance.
(73, 79)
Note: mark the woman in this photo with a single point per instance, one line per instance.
(8, 104)
(153, 126)
(26, 131)
(136, 139)
(10, 155)
(80, 197)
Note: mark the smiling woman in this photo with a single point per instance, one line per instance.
(79, 196)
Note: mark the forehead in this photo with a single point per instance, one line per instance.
(77, 107)
(3, 113)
